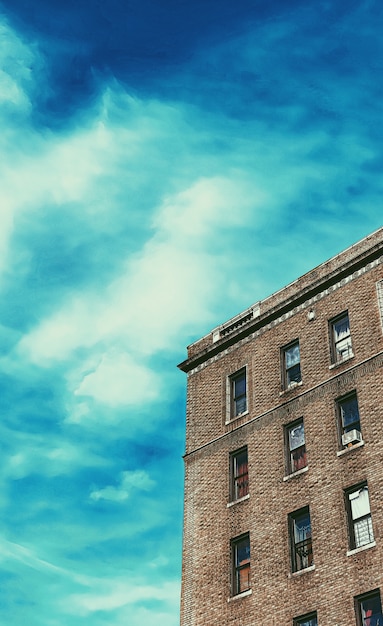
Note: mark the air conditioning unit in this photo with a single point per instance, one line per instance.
(353, 436)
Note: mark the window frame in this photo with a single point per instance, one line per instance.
(353, 425)
(358, 600)
(290, 469)
(304, 619)
(236, 477)
(286, 382)
(353, 541)
(232, 398)
(334, 343)
(237, 568)
(292, 519)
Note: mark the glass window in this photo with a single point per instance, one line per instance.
(360, 523)
(239, 474)
(369, 609)
(296, 447)
(292, 365)
(349, 421)
(301, 542)
(341, 338)
(241, 564)
(238, 393)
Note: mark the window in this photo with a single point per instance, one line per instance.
(368, 609)
(238, 395)
(291, 365)
(349, 421)
(240, 548)
(341, 347)
(306, 620)
(359, 516)
(300, 537)
(379, 289)
(239, 474)
(296, 448)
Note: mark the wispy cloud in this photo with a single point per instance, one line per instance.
(129, 481)
(130, 226)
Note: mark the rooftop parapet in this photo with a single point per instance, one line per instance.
(336, 269)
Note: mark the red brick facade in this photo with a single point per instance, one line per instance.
(337, 571)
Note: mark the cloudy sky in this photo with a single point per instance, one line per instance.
(164, 165)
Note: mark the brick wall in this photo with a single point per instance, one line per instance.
(277, 595)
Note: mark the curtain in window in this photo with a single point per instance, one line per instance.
(360, 503)
(241, 475)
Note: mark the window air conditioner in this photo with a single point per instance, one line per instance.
(353, 436)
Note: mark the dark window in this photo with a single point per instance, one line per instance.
(239, 474)
(349, 421)
(368, 609)
(300, 537)
(341, 347)
(238, 393)
(306, 620)
(241, 564)
(359, 516)
(291, 365)
(296, 448)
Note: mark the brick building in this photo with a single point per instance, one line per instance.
(284, 466)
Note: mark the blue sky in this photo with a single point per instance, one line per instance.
(164, 166)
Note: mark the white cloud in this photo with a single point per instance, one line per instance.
(37, 455)
(16, 75)
(129, 480)
(113, 594)
(120, 380)
(171, 282)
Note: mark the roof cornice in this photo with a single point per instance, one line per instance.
(301, 296)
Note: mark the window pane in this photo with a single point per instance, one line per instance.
(240, 470)
(344, 348)
(296, 436)
(240, 405)
(341, 329)
(349, 412)
(363, 532)
(301, 540)
(238, 391)
(292, 355)
(371, 612)
(241, 565)
(239, 386)
(242, 552)
(294, 374)
(298, 459)
(360, 503)
(240, 463)
(302, 528)
(243, 580)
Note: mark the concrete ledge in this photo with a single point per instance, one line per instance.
(357, 550)
(233, 502)
(240, 595)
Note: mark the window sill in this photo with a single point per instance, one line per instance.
(291, 388)
(302, 571)
(233, 502)
(357, 550)
(339, 363)
(240, 595)
(297, 473)
(350, 449)
(237, 417)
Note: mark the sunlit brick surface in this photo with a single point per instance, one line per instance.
(301, 311)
